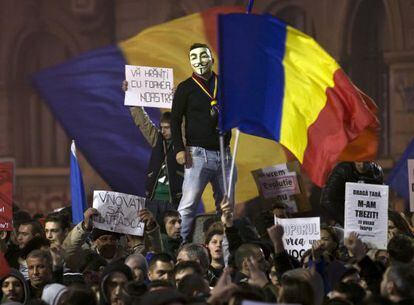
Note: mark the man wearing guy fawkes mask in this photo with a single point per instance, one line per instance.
(196, 100)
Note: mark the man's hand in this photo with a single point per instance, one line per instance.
(148, 219)
(355, 246)
(88, 218)
(222, 292)
(276, 236)
(317, 250)
(257, 277)
(56, 251)
(226, 213)
(180, 157)
(124, 86)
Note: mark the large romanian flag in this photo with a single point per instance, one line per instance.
(278, 83)
(85, 95)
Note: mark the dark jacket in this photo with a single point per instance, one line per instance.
(193, 103)
(163, 152)
(333, 194)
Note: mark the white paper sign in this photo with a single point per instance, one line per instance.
(118, 212)
(273, 186)
(410, 166)
(300, 234)
(366, 213)
(149, 86)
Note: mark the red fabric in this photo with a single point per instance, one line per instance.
(6, 196)
(346, 128)
(4, 266)
(210, 22)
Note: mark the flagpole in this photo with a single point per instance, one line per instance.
(249, 7)
(233, 162)
(223, 169)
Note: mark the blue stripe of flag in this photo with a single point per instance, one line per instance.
(252, 48)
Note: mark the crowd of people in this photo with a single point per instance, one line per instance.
(53, 261)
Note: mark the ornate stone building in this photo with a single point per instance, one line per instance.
(372, 39)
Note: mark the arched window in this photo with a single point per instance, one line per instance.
(39, 140)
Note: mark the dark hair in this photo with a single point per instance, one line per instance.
(170, 213)
(353, 292)
(199, 45)
(93, 262)
(401, 248)
(400, 223)
(244, 251)
(78, 294)
(211, 233)
(160, 283)
(36, 227)
(402, 275)
(61, 220)
(35, 243)
(193, 284)
(162, 257)
(166, 117)
(248, 292)
(195, 266)
(296, 291)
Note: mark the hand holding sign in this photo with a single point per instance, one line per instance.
(88, 218)
(227, 213)
(148, 219)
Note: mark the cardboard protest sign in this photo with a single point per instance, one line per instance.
(300, 234)
(118, 212)
(282, 183)
(149, 86)
(6, 195)
(410, 167)
(366, 213)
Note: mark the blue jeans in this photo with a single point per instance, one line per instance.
(206, 167)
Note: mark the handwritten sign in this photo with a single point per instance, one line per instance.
(410, 167)
(149, 86)
(6, 195)
(366, 213)
(300, 234)
(118, 212)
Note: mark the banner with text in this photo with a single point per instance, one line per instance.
(118, 212)
(300, 234)
(278, 183)
(366, 213)
(410, 167)
(149, 86)
(6, 195)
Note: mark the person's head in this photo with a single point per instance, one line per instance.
(183, 269)
(349, 291)
(114, 278)
(161, 267)
(56, 228)
(165, 125)
(27, 231)
(193, 285)
(52, 293)
(398, 282)
(78, 294)
(247, 251)
(279, 209)
(196, 253)
(295, 291)
(14, 287)
(201, 59)
(397, 225)
(39, 265)
(214, 243)
(329, 240)
(172, 224)
(138, 265)
(401, 249)
(382, 257)
(105, 242)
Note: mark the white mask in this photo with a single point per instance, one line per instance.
(201, 60)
